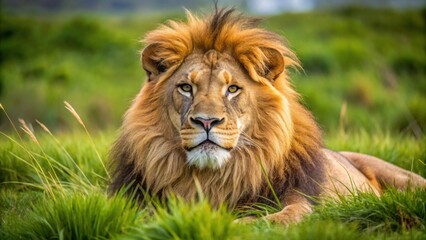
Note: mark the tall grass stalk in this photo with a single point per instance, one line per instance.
(49, 180)
(75, 114)
(58, 144)
(10, 121)
(34, 163)
(277, 200)
(56, 182)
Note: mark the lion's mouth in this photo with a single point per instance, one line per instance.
(207, 154)
(207, 144)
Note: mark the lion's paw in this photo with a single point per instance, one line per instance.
(245, 220)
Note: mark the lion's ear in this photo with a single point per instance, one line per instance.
(151, 62)
(274, 64)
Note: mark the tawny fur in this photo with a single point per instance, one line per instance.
(283, 140)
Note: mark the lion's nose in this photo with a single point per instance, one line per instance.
(208, 123)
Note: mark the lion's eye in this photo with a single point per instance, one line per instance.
(186, 88)
(233, 89)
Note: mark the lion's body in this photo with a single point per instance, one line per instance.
(218, 112)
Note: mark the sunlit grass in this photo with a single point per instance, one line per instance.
(40, 160)
(394, 211)
(182, 220)
(403, 150)
(55, 186)
(77, 215)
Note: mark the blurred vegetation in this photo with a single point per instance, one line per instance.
(363, 68)
(370, 62)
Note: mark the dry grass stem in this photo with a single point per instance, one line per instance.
(74, 113)
(10, 120)
(27, 130)
(44, 127)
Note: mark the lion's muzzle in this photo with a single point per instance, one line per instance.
(207, 141)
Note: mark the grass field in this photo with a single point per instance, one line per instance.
(364, 79)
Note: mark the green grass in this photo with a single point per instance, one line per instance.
(393, 211)
(400, 149)
(182, 220)
(76, 215)
(58, 191)
(363, 79)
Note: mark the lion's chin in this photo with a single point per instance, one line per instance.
(208, 156)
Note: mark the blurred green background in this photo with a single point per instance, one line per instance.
(363, 68)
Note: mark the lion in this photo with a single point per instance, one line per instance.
(218, 114)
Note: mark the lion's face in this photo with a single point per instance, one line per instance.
(210, 108)
(217, 98)
(222, 84)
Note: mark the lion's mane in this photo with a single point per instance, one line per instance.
(148, 154)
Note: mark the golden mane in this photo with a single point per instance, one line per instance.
(148, 152)
(223, 31)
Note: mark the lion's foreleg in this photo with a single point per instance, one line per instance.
(296, 208)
